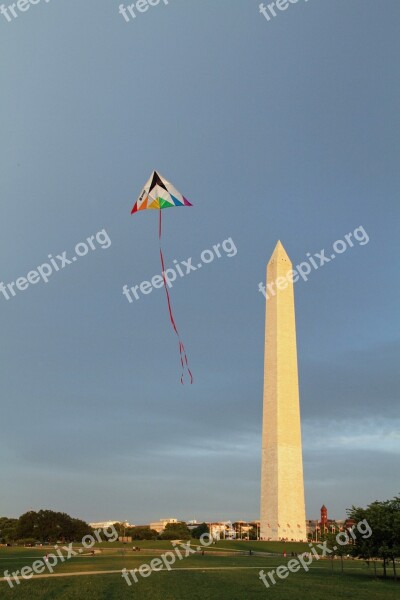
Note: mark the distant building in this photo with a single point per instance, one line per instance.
(242, 529)
(324, 518)
(228, 530)
(223, 530)
(317, 528)
(311, 527)
(160, 525)
(108, 524)
(193, 524)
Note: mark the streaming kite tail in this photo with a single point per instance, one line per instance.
(182, 351)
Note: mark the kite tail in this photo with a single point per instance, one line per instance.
(182, 351)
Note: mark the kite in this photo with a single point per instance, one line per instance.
(157, 194)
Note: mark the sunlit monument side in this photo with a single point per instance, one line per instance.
(282, 482)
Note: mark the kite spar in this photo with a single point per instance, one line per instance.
(157, 194)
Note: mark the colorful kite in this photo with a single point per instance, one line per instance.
(158, 193)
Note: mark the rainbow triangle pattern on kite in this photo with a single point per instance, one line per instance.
(158, 193)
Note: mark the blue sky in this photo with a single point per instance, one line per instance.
(286, 130)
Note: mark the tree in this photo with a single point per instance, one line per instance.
(175, 531)
(26, 525)
(197, 532)
(77, 530)
(50, 526)
(336, 548)
(8, 530)
(382, 539)
(142, 533)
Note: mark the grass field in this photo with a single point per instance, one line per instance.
(226, 572)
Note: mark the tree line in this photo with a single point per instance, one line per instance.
(45, 526)
(172, 531)
(380, 543)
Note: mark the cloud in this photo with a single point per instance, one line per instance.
(357, 383)
(351, 435)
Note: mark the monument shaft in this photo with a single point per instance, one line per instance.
(282, 483)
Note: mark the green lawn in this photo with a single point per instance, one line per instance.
(225, 576)
(274, 547)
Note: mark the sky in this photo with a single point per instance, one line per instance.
(282, 129)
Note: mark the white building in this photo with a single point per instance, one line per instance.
(160, 525)
(108, 524)
(222, 530)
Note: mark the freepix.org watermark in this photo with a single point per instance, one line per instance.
(274, 8)
(304, 561)
(61, 554)
(14, 10)
(43, 272)
(131, 11)
(319, 259)
(185, 267)
(167, 559)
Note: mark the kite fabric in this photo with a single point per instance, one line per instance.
(158, 193)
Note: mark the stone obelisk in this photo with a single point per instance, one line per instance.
(282, 483)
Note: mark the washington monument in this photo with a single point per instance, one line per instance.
(282, 483)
